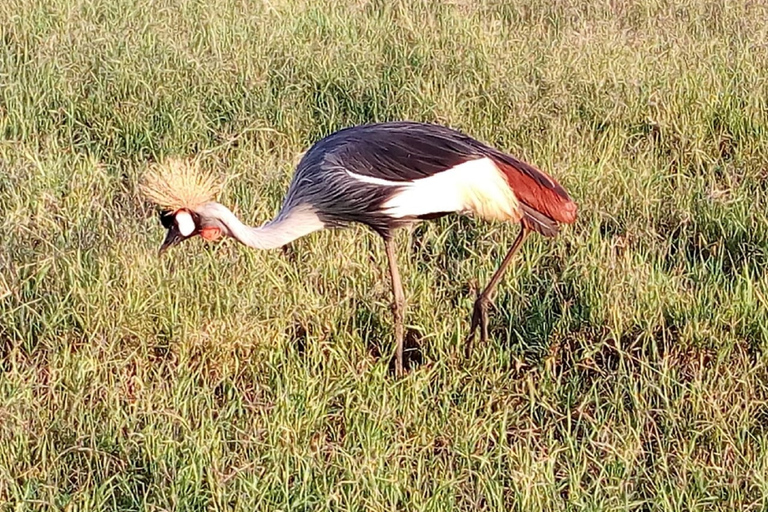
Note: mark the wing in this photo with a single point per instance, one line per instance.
(535, 189)
(383, 156)
(398, 151)
(407, 151)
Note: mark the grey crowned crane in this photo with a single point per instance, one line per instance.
(386, 176)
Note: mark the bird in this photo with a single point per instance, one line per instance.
(385, 176)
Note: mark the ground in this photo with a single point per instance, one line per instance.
(627, 363)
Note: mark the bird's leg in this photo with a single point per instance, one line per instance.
(480, 311)
(398, 304)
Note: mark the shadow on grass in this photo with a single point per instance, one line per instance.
(412, 355)
(527, 328)
(379, 339)
(297, 333)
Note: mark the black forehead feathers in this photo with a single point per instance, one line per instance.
(166, 218)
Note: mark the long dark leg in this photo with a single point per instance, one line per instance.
(398, 304)
(480, 311)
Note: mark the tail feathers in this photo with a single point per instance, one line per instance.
(537, 221)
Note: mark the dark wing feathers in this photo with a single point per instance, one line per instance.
(537, 221)
(406, 151)
(398, 151)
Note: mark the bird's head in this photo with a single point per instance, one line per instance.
(184, 194)
(187, 223)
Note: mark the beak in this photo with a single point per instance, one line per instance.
(172, 237)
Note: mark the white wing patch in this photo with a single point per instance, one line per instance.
(375, 181)
(185, 223)
(476, 186)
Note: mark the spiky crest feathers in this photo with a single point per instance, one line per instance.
(178, 184)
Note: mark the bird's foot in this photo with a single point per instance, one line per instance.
(479, 320)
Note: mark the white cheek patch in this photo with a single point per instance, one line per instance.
(185, 223)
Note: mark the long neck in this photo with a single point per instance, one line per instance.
(285, 228)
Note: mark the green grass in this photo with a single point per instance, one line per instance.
(627, 366)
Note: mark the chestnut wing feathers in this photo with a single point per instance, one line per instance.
(536, 189)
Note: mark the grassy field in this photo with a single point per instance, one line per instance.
(627, 366)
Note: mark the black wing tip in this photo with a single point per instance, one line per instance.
(539, 222)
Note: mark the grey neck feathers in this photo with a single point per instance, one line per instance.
(285, 228)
